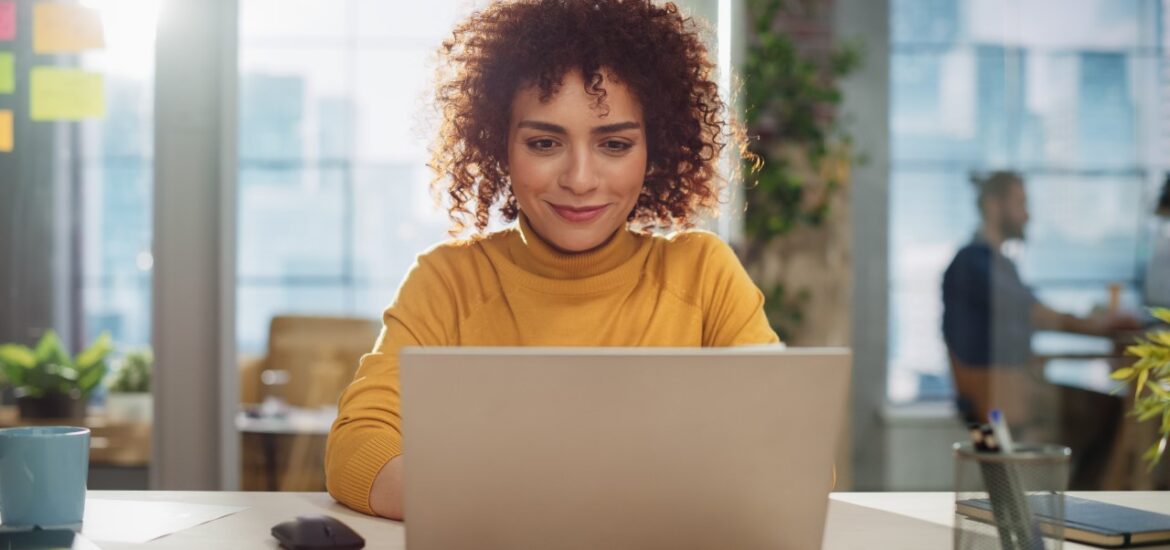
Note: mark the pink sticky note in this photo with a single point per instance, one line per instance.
(7, 20)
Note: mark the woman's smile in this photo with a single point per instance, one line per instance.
(578, 214)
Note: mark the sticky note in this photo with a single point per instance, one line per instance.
(61, 27)
(65, 94)
(7, 20)
(7, 73)
(5, 131)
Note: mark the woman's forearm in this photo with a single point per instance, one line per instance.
(386, 492)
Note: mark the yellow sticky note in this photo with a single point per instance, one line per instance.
(65, 27)
(65, 94)
(7, 73)
(5, 131)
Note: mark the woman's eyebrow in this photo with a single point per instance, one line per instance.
(543, 126)
(558, 129)
(616, 127)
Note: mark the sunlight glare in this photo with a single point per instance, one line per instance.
(129, 27)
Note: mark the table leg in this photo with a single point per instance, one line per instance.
(268, 441)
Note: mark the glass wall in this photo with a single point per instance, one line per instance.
(333, 199)
(1077, 100)
(115, 165)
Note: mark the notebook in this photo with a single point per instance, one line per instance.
(1087, 521)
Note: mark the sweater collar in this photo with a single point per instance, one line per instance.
(531, 253)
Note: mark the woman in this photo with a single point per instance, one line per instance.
(588, 121)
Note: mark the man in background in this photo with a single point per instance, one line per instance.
(989, 317)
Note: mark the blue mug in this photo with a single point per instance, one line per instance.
(43, 472)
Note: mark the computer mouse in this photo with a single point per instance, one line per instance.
(317, 533)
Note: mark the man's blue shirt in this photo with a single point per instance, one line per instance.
(987, 309)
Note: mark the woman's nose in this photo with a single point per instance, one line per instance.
(580, 175)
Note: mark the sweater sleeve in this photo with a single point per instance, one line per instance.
(733, 307)
(368, 429)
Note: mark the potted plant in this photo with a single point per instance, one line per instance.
(47, 381)
(129, 398)
(798, 172)
(1150, 375)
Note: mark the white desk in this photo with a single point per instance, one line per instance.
(906, 521)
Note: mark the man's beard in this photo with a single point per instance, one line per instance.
(1013, 231)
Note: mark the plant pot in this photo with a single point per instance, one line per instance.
(129, 408)
(51, 405)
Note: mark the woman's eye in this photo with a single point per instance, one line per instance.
(542, 145)
(616, 146)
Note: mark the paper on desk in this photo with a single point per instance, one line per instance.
(139, 521)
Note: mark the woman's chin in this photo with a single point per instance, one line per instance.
(575, 238)
(577, 245)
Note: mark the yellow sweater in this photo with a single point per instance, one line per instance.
(511, 289)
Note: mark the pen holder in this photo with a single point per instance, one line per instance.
(1010, 501)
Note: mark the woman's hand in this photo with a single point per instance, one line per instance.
(386, 493)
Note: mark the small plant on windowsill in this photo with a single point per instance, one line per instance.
(48, 381)
(1150, 375)
(129, 397)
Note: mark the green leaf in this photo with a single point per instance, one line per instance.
(17, 356)
(1151, 413)
(1141, 382)
(1124, 373)
(1154, 454)
(1140, 350)
(1161, 337)
(50, 349)
(96, 352)
(1159, 391)
(65, 373)
(90, 377)
(1161, 313)
(15, 374)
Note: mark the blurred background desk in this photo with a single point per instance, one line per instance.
(119, 452)
(309, 361)
(299, 432)
(1085, 364)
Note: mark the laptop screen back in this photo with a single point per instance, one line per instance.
(619, 447)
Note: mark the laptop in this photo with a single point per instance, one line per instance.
(620, 447)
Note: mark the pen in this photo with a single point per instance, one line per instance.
(1013, 495)
(984, 441)
(1002, 433)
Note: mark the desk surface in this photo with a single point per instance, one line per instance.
(907, 521)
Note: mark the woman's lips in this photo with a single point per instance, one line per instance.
(578, 214)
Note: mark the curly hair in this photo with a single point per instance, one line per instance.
(654, 50)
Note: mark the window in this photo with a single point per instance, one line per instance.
(115, 174)
(333, 198)
(1077, 99)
